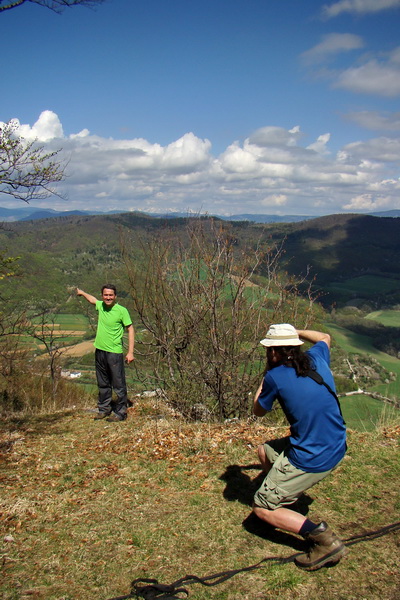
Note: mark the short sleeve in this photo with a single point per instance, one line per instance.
(126, 319)
(268, 393)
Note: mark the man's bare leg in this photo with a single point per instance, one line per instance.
(283, 518)
(265, 463)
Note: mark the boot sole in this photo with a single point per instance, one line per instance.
(329, 559)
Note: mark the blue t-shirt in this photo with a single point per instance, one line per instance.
(317, 429)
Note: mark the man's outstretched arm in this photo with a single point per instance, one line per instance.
(309, 335)
(88, 297)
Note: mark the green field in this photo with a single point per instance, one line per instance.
(365, 286)
(68, 322)
(363, 412)
(65, 330)
(389, 318)
(361, 344)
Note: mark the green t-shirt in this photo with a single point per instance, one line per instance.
(110, 327)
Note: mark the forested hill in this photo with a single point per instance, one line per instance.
(73, 250)
(341, 246)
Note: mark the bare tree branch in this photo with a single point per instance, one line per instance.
(27, 172)
(57, 6)
(205, 299)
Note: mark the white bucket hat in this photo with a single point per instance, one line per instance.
(281, 335)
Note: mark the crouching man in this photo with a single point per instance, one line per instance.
(317, 441)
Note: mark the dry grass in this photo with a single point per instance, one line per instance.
(88, 506)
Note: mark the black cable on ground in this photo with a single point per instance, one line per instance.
(150, 589)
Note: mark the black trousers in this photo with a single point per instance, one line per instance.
(110, 375)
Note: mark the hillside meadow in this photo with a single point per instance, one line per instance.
(354, 343)
(350, 256)
(88, 506)
(362, 412)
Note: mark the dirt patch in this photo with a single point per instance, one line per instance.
(79, 349)
(66, 332)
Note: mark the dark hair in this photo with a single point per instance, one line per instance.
(109, 286)
(293, 356)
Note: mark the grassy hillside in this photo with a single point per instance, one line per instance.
(390, 318)
(89, 506)
(360, 344)
(352, 256)
(85, 251)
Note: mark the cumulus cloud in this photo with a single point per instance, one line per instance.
(47, 127)
(369, 74)
(330, 46)
(320, 145)
(274, 200)
(186, 154)
(369, 202)
(382, 150)
(358, 7)
(375, 120)
(271, 170)
(380, 77)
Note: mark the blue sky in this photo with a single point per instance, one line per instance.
(218, 106)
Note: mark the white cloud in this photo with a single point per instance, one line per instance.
(320, 145)
(381, 78)
(381, 150)
(331, 45)
(275, 136)
(83, 133)
(378, 75)
(47, 127)
(368, 202)
(274, 200)
(186, 154)
(375, 120)
(359, 7)
(271, 170)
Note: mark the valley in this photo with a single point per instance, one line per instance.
(357, 290)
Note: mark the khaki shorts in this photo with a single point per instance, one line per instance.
(284, 483)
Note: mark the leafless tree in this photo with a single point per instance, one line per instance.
(43, 328)
(203, 311)
(55, 5)
(13, 355)
(27, 171)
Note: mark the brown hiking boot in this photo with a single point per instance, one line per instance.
(101, 415)
(114, 419)
(326, 548)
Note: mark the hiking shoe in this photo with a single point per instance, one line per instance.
(114, 419)
(326, 548)
(101, 415)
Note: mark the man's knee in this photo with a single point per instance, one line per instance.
(263, 513)
(261, 454)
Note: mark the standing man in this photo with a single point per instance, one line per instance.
(317, 441)
(109, 359)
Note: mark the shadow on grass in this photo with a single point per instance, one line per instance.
(240, 487)
(153, 590)
(37, 425)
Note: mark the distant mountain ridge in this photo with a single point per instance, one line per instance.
(348, 255)
(31, 213)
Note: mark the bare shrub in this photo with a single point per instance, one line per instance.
(30, 384)
(203, 315)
